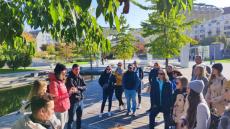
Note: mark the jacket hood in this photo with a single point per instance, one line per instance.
(52, 77)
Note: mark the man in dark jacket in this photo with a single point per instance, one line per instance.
(75, 80)
(140, 74)
(130, 82)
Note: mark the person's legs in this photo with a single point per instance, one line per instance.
(152, 115)
(128, 99)
(79, 115)
(110, 100)
(71, 113)
(139, 95)
(166, 119)
(119, 95)
(134, 103)
(62, 116)
(105, 96)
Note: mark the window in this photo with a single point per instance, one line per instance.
(226, 27)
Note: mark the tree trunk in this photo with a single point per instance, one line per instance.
(124, 63)
(166, 63)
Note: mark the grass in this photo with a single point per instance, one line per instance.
(223, 61)
(6, 70)
(80, 63)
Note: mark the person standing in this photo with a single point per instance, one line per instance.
(42, 107)
(198, 113)
(152, 76)
(215, 92)
(161, 99)
(169, 71)
(199, 74)
(118, 87)
(130, 82)
(140, 74)
(58, 89)
(179, 99)
(76, 81)
(107, 81)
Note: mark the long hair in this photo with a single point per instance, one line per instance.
(166, 78)
(202, 71)
(184, 82)
(37, 88)
(194, 99)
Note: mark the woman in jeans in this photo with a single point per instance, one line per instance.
(107, 80)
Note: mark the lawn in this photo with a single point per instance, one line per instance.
(6, 70)
(223, 61)
(79, 63)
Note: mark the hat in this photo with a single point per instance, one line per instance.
(59, 68)
(218, 66)
(197, 86)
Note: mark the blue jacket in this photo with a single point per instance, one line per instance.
(130, 81)
(166, 96)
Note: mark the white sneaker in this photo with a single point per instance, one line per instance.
(139, 106)
(109, 114)
(100, 115)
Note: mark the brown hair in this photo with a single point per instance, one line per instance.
(37, 88)
(40, 101)
(202, 70)
(184, 81)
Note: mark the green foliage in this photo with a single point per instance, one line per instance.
(212, 39)
(124, 48)
(2, 57)
(11, 21)
(19, 53)
(169, 31)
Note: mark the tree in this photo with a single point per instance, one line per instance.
(18, 54)
(169, 31)
(124, 48)
(65, 51)
(2, 57)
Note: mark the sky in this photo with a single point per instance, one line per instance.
(137, 15)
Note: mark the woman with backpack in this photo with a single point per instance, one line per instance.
(198, 113)
(107, 81)
(214, 96)
(179, 98)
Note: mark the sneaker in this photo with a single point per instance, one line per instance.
(127, 114)
(133, 114)
(100, 115)
(109, 114)
(139, 106)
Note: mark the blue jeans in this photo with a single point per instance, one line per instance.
(131, 94)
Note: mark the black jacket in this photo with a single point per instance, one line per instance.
(153, 75)
(140, 73)
(77, 81)
(130, 81)
(166, 96)
(107, 78)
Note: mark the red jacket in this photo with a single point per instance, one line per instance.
(58, 88)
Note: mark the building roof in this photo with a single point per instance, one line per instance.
(226, 10)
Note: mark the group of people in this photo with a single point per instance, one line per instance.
(201, 103)
(53, 106)
(119, 81)
(198, 104)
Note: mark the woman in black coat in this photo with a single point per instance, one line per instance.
(107, 81)
(161, 99)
